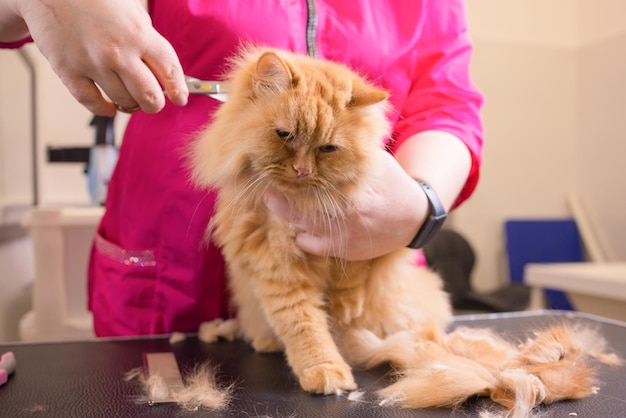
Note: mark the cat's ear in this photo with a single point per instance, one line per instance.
(272, 73)
(363, 95)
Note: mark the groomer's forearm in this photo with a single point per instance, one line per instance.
(438, 158)
(12, 26)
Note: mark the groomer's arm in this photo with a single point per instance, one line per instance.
(438, 158)
(109, 44)
(391, 207)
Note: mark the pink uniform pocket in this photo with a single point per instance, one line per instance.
(121, 289)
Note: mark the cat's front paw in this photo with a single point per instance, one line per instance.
(327, 378)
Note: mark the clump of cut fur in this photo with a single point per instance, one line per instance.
(157, 388)
(306, 129)
(553, 366)
(199, 391)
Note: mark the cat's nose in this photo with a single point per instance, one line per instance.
(302, 171)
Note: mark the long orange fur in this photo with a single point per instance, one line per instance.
(306, 129)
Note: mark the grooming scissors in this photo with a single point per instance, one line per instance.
(212, 88)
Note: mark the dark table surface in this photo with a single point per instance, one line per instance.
(86, 378)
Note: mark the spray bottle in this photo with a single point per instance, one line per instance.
(102, 159)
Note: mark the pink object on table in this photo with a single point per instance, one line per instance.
(7, 366)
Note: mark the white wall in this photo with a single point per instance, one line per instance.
(525, 64)
(601, 171)
(554, 74)
(531, 149)
(15, 160)
(528, 22)
(601, 20)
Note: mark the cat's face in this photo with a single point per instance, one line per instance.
(306, 128)
(316, 124)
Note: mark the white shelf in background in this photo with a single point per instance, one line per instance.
(597, 288)
(62, 238)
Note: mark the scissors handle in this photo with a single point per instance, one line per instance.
(197, 86)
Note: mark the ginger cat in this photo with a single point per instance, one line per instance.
(306, 128)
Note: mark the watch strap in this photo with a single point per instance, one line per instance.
(433, 222)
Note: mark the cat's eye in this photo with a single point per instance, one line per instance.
(328, 148)
(284, 135)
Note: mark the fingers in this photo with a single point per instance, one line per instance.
(307, 239)
(122, 77)
(107, 52)
(138, 83)
(280, 207)
(316, 245)
(90, 96)
(133, 88)
(112, 93)
(135, 85)
(164, 63)
(126, 87)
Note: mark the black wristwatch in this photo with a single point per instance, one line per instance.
(435, 220)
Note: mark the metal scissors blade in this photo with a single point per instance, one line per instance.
(212, 88)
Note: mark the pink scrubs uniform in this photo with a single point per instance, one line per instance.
(150, 270)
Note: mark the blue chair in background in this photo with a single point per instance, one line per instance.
(542, 241)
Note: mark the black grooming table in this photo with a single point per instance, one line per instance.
(85, 379)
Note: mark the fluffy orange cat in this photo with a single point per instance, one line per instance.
(307, 129)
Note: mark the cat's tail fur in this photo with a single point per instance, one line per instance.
(444, 370)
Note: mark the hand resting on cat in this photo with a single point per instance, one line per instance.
(383, 208)
(306, 135)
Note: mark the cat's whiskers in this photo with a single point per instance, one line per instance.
(338, 193)
(193, 215)
(333, 216)
(240, 201)
(340, 219)
(347, 203)
(250, 190)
